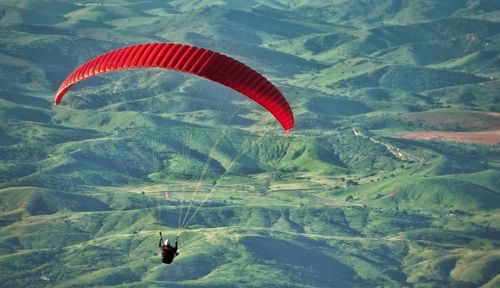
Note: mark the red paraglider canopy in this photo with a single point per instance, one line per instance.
(198, 61)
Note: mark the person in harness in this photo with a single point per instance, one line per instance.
(168, 252)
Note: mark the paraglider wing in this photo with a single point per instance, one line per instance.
(185, 58)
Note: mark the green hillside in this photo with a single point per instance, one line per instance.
(346, 199)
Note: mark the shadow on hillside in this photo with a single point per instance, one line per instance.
(304, 265)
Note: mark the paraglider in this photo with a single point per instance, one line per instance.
(202, 62)
(190, 59)
(169, 252)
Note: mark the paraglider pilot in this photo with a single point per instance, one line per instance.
(168, 251)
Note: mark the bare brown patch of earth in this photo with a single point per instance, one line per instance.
(490, 137)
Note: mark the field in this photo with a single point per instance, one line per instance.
(481, 137)
(390, 177)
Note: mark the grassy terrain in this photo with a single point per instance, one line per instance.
(342, 201)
